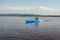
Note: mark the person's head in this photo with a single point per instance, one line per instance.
(36, 18)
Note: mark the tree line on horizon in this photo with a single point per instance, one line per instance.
(29, 15)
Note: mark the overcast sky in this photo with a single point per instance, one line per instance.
(46, 7)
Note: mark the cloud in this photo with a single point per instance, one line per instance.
(48, 10)
(20, 9)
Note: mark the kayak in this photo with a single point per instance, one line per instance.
(33, 21)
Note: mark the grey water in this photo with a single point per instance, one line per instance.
(15, 28)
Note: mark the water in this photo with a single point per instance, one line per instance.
(14, 28)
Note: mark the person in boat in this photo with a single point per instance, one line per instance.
(36, 18)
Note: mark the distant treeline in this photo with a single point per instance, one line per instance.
(29, 15)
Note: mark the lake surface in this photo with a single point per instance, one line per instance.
(15, 28)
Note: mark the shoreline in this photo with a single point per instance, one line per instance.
(29, 15)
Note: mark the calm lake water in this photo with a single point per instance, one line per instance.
(15, 28)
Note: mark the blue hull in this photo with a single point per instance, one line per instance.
(33, 21)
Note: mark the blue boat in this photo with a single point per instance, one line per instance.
(33, 21)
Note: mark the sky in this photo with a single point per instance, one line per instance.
(40, 7)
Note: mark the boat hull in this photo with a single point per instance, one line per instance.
(33, 21)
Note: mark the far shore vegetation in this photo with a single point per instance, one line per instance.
(29, 15)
